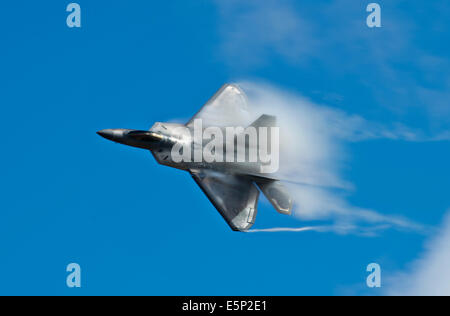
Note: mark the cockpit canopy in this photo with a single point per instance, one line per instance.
(145, 136)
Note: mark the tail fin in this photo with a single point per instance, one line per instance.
(267, 134)
(265, 121)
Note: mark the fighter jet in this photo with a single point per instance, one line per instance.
(231, 185)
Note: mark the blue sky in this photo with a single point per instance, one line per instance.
(135, 227)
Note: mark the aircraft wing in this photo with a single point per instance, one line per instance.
(235, 197)
(227, 107)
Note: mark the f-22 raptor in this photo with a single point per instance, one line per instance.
(231, 186)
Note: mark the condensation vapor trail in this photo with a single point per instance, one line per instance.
(287, 229)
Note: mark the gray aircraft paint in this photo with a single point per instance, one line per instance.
(230, 185)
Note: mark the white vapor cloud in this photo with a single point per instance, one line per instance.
(312, 152)
(254, 30)
(430, 274)
(333, 35)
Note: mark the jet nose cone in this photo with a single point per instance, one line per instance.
(107, 133)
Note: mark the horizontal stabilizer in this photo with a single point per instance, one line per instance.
(278, 196)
